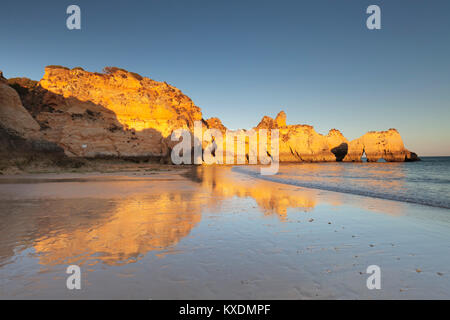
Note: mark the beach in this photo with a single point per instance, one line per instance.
(210, 232)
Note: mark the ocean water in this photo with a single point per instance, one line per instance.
(425, 182)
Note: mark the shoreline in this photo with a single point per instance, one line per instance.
(118, 164)
(113, 166)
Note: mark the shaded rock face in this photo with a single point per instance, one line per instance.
(13, 116)
(340, 151)
(18, 130)
(121, 114)
(21, 143)
(12, 144)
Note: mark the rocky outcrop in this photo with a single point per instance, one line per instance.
(14, 118)
(139, 103)
(122, 114)
(116, 113)
(215, 123)
(298, 142)
(19, 131)
(21, 144)
(280, 119)
(303, 143)
(376, 145)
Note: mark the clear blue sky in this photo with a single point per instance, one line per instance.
(241, 60)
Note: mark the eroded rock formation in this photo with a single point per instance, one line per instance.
(19, 131)
(116, 113)
(121, 114)
(13, 116)
(376, 145)
(303, 143)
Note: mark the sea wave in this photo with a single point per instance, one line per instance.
(347, 184)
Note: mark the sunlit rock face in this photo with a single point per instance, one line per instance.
(121, 114)
(116, 113)
(376, 145)
(298, 143)
(139, 103)
(215, 123)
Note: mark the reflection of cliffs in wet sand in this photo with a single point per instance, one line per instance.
(272, 198)
(151, 215)
(140, 223)
(118, 219)
(117, 222)
(277, 198)
(135, 227)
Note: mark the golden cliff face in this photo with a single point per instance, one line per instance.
(387, 145)
(300, 143)
(139, 103)
(116, 113)
(119, 113)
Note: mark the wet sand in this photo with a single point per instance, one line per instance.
(213, 233)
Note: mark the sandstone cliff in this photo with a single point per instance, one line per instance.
(122, 114)
(13, 116)
(303, 143)
(116, 113)
(21, 142)
(387, 145)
